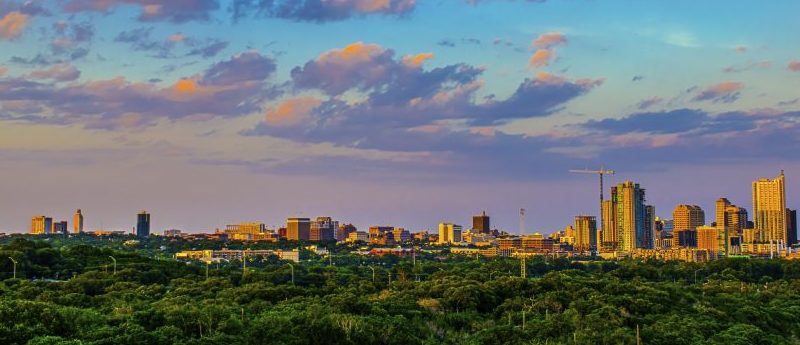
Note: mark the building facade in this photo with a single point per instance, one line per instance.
(41, 225)
(143, 224)
(298, 229)
(585, 233)
(449, 233)
(77, 222)
(627, 200)
(769, 209)
(481, 224)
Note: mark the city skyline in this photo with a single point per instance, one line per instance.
(623, 221)
(400, 112)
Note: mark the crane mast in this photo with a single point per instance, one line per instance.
(600, 172)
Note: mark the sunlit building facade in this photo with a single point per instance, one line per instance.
(769, 209)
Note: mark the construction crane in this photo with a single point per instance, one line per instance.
(601, 172)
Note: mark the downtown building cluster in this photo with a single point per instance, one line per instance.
(627, 226)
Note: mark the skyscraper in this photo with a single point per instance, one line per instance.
(480, 223)
(143, 224)
(298, 229)
(60, 227)
(627, 199)
(687, 217)
(449, 233)
(769, 209)
(77, 222)
(585, 233)
(41, 225)
(648, 241)
(731, 221)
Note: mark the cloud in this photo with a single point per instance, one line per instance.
(724, 92)
(416, 60)
(320, 10)
(446, 43)
(637, 78)
(549, 40)
(141, 39)
(650, 102)
(748, 66)
(3, 70)
(676, 121)
(234, 87)
(794, 66)
(12, 25)
(292, 111)
(541, 58)
(176, 11)
(60, 72)
(740, 49)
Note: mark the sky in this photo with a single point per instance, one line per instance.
(389, 112)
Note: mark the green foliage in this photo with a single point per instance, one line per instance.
(67, 293)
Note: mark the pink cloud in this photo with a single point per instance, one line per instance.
(794, 66)
(549, 40)
(541, 58)
(12, 24)
(725, 92)
(740, 49)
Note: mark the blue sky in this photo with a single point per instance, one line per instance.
(395, 112)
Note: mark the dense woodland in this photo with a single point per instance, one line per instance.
(68, 293)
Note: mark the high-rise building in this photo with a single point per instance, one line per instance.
(710, 238)
(627, 200)
(648, 241)
(769, 209)
(730, 220)
(608, 230)
(323, 229)
(41, 225)
(77, 222)
(791, 226)
(143, 224)
(481, 224)
(687, 217)
(585, 232)
(449, 233)
(298, 229)
(60, 227)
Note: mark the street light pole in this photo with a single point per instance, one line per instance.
(292, 268)
(15, 266)
(373, 273)
(115, 264)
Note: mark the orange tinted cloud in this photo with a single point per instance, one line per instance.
(794, 66)
(416, 60)
(177, 37)
(726, 87)
(368, 6)
(354, 52)
(292, 112)
(12, 24)
(541, 57)
(185, 86)
(549, 39)
(740, 49)
(3, 70)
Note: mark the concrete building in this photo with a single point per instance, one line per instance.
(608, 230)
(791, 226)
(344, 231)
(41, 225)
(449, 233)
(77, 222)
(143, 224)
(769, 209)
(298, 229)
(358, 236)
